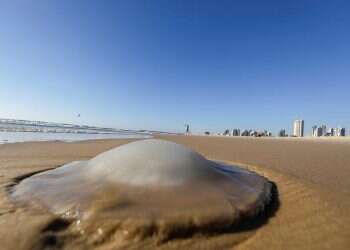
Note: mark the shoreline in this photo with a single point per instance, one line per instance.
(22, 137)
(345, 139)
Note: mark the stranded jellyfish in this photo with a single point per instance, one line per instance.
(148, 188)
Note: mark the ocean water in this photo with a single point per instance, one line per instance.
(12, 137)
(12, 130)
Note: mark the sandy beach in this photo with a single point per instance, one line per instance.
(312, 179)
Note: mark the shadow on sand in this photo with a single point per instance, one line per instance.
(263, 217)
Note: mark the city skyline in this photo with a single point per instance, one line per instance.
(298, 130)
(315, 130)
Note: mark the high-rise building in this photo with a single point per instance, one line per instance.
(330, 132)
(236, 132)
(339, 132)
(324, 130)
(298, 128)
(282, 133)
(342, 132)
(319, 131)
(314, 131)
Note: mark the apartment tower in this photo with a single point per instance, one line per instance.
(298, 128)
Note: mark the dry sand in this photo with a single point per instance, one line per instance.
(312, 177)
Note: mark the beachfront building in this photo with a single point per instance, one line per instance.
(253, 133)
(319, 131)
(226, 132)
(282, 133)
(298, 128)
(324, 130)
(245, 132)
(331, 132)
(339, 131)
(236, 132)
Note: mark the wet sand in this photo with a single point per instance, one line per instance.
(312, 177)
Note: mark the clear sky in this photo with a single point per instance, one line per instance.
(159, 64)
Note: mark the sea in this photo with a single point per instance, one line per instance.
(12, 130)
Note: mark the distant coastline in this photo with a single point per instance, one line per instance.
(13, 131)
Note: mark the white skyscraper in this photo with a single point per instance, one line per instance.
(298, 128)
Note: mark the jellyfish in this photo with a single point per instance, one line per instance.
(147, 188)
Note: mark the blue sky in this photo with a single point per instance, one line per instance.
(159, 64)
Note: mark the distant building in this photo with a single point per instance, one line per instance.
(324, 130)
(314, 131)
(330, 132)
(282, 133)
(245, 133)
(298, 128)
(265, 133)
(226, 132)
(236, 132)
(339, 131)
(253, 133)
(319, 131)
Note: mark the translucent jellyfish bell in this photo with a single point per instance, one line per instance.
(148, 187)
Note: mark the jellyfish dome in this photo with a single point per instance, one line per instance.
(146, 188)
(149, 162)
